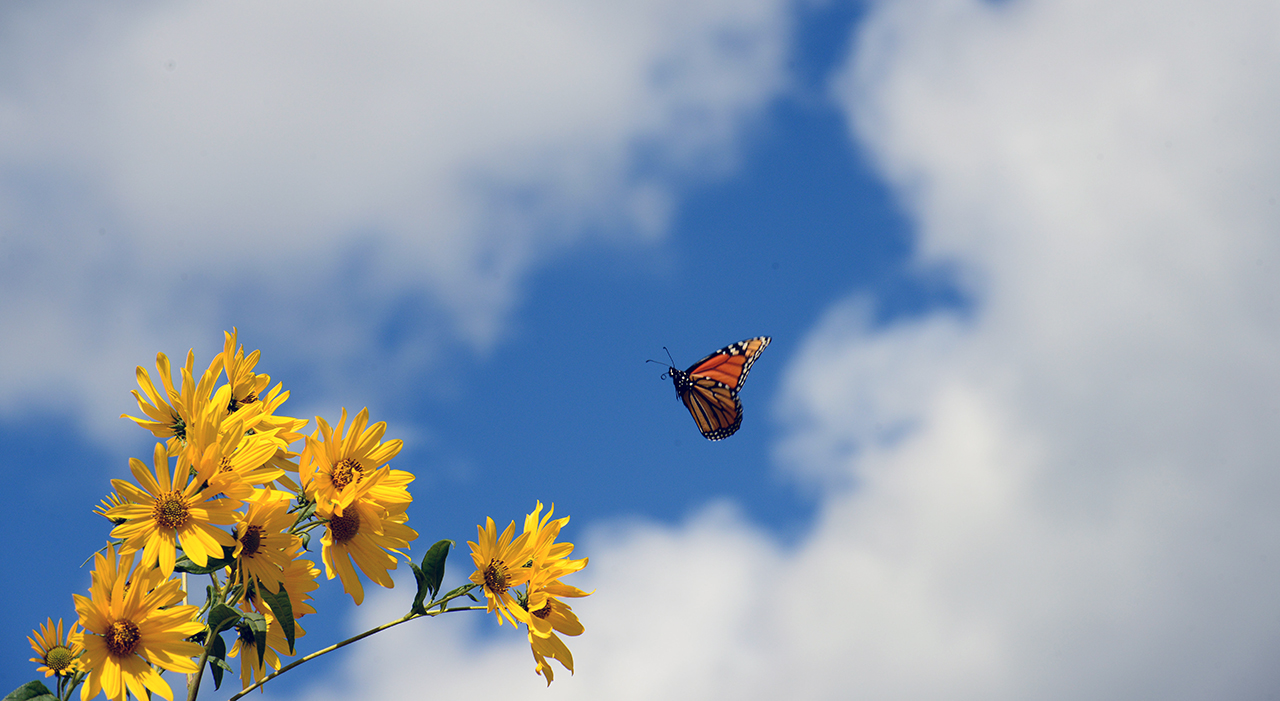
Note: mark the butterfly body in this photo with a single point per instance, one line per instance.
(709, 388)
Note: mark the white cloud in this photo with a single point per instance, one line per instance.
(1070, 494)
(1086, 501)
(1086, 498)
(167, 166)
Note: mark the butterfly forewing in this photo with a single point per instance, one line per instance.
(709, 389)
(730, 364)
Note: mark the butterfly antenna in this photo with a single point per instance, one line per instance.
(663, 375)
(666, 375)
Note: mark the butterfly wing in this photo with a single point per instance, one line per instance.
(709, 388)
(715, 408)
(730, 365)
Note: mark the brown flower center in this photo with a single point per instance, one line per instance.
(251, 540)
(59, 659)
(495, 577)
(544, 611)
(224, 465)
(171, 510)
(122, 638)
(345, 527)
(235, 404)
(347, 471)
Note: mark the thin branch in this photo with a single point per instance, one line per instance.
(385, 626)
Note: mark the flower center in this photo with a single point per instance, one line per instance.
(346, 472)
(224, 465)
(247, 641)
(544, 611)
(235, 404)
(345, 527)
(251, 540)
(122, 638)
(171, 510)
(495, 577)
(59, 659)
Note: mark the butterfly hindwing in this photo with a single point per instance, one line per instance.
(714, 407)
(709, 388)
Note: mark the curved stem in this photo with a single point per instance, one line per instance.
(103, 549)
(361, 636)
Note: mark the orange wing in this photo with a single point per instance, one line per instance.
(709, 389)
(715, 408)
(730, 365)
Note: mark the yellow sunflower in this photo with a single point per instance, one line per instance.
(171, 411)
(547, 612)
(168, 509)
(248, 396)
(246, 647)
(219, 444)
(55, 653)
(501, 564)
(547, 615)
(341, 467)
(545, 552)
(108, 503)
(247, 386)
(287, 431)
(129, 627)
(263, 544)
(364, 533)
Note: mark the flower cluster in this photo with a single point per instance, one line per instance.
(233, 491)
(535, 561)
(360, 498)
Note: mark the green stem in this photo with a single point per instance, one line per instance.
(361, 636)
(193, 679)
(103, 549)
(67, 685)
(306, 528)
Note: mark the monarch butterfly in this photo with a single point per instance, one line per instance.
(709, 388)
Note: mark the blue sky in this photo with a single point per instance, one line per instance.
(1013, 437)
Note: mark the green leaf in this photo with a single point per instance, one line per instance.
(222, 663)
(282, 608)
(222, 617)
(218, 660)
(421, 595)
(257, 624)
(31, 691)
(433, 565)
(184, 563)
(308, 509)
